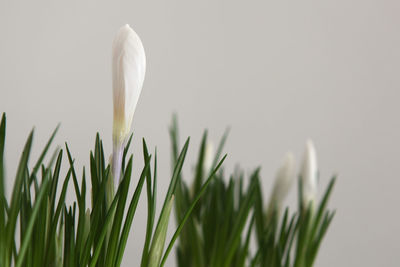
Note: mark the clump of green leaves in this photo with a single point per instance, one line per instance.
(53, 233)
(27, 205)
(216, 217)
(294, 238)
(213, 234)
(219, 231)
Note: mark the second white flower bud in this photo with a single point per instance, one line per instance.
(283, 182)
(309, 173)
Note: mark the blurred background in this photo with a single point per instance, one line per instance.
(276, 72)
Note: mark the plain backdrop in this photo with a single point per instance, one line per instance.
(276, 72)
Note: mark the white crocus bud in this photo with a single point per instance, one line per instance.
(128, 71)
(283, 182)
(309, 172)
(208, 158)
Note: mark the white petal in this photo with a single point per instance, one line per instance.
(283, 181)
(309, 174)
(208, 157)
(128, 72)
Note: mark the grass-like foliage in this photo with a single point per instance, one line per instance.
(220, 230)
(86, 233)
(292, 239)
(218, 218)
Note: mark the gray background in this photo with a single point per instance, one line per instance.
(277, 72)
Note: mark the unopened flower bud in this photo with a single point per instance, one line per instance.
(128, 71)
(309, 172)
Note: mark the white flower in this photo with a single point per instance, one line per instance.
(208, 158)
(128, 71)
(309, 174)
(283, 182)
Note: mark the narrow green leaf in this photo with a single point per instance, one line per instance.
(174, 179)
(104, 229)
(220, 148)
(81, 216)
(189, 211)
(131, 213)
(54, 181)
(200, 164)
(98, 205)
(240, 222)
(173, 130)
(259, 213)
(44, 152)
(126, 149)
(32, 220)
(150, 209)
(245, 251)
(74, 177)
(157, 245)
(2, 189)
(117, 221)
(322, 207)
(16, 199)
(324, 227)
(177, 171)
(60, 206)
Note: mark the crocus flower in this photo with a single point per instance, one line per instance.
(309, 175)
(208, 158)
(128, 71)
(283, 182)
